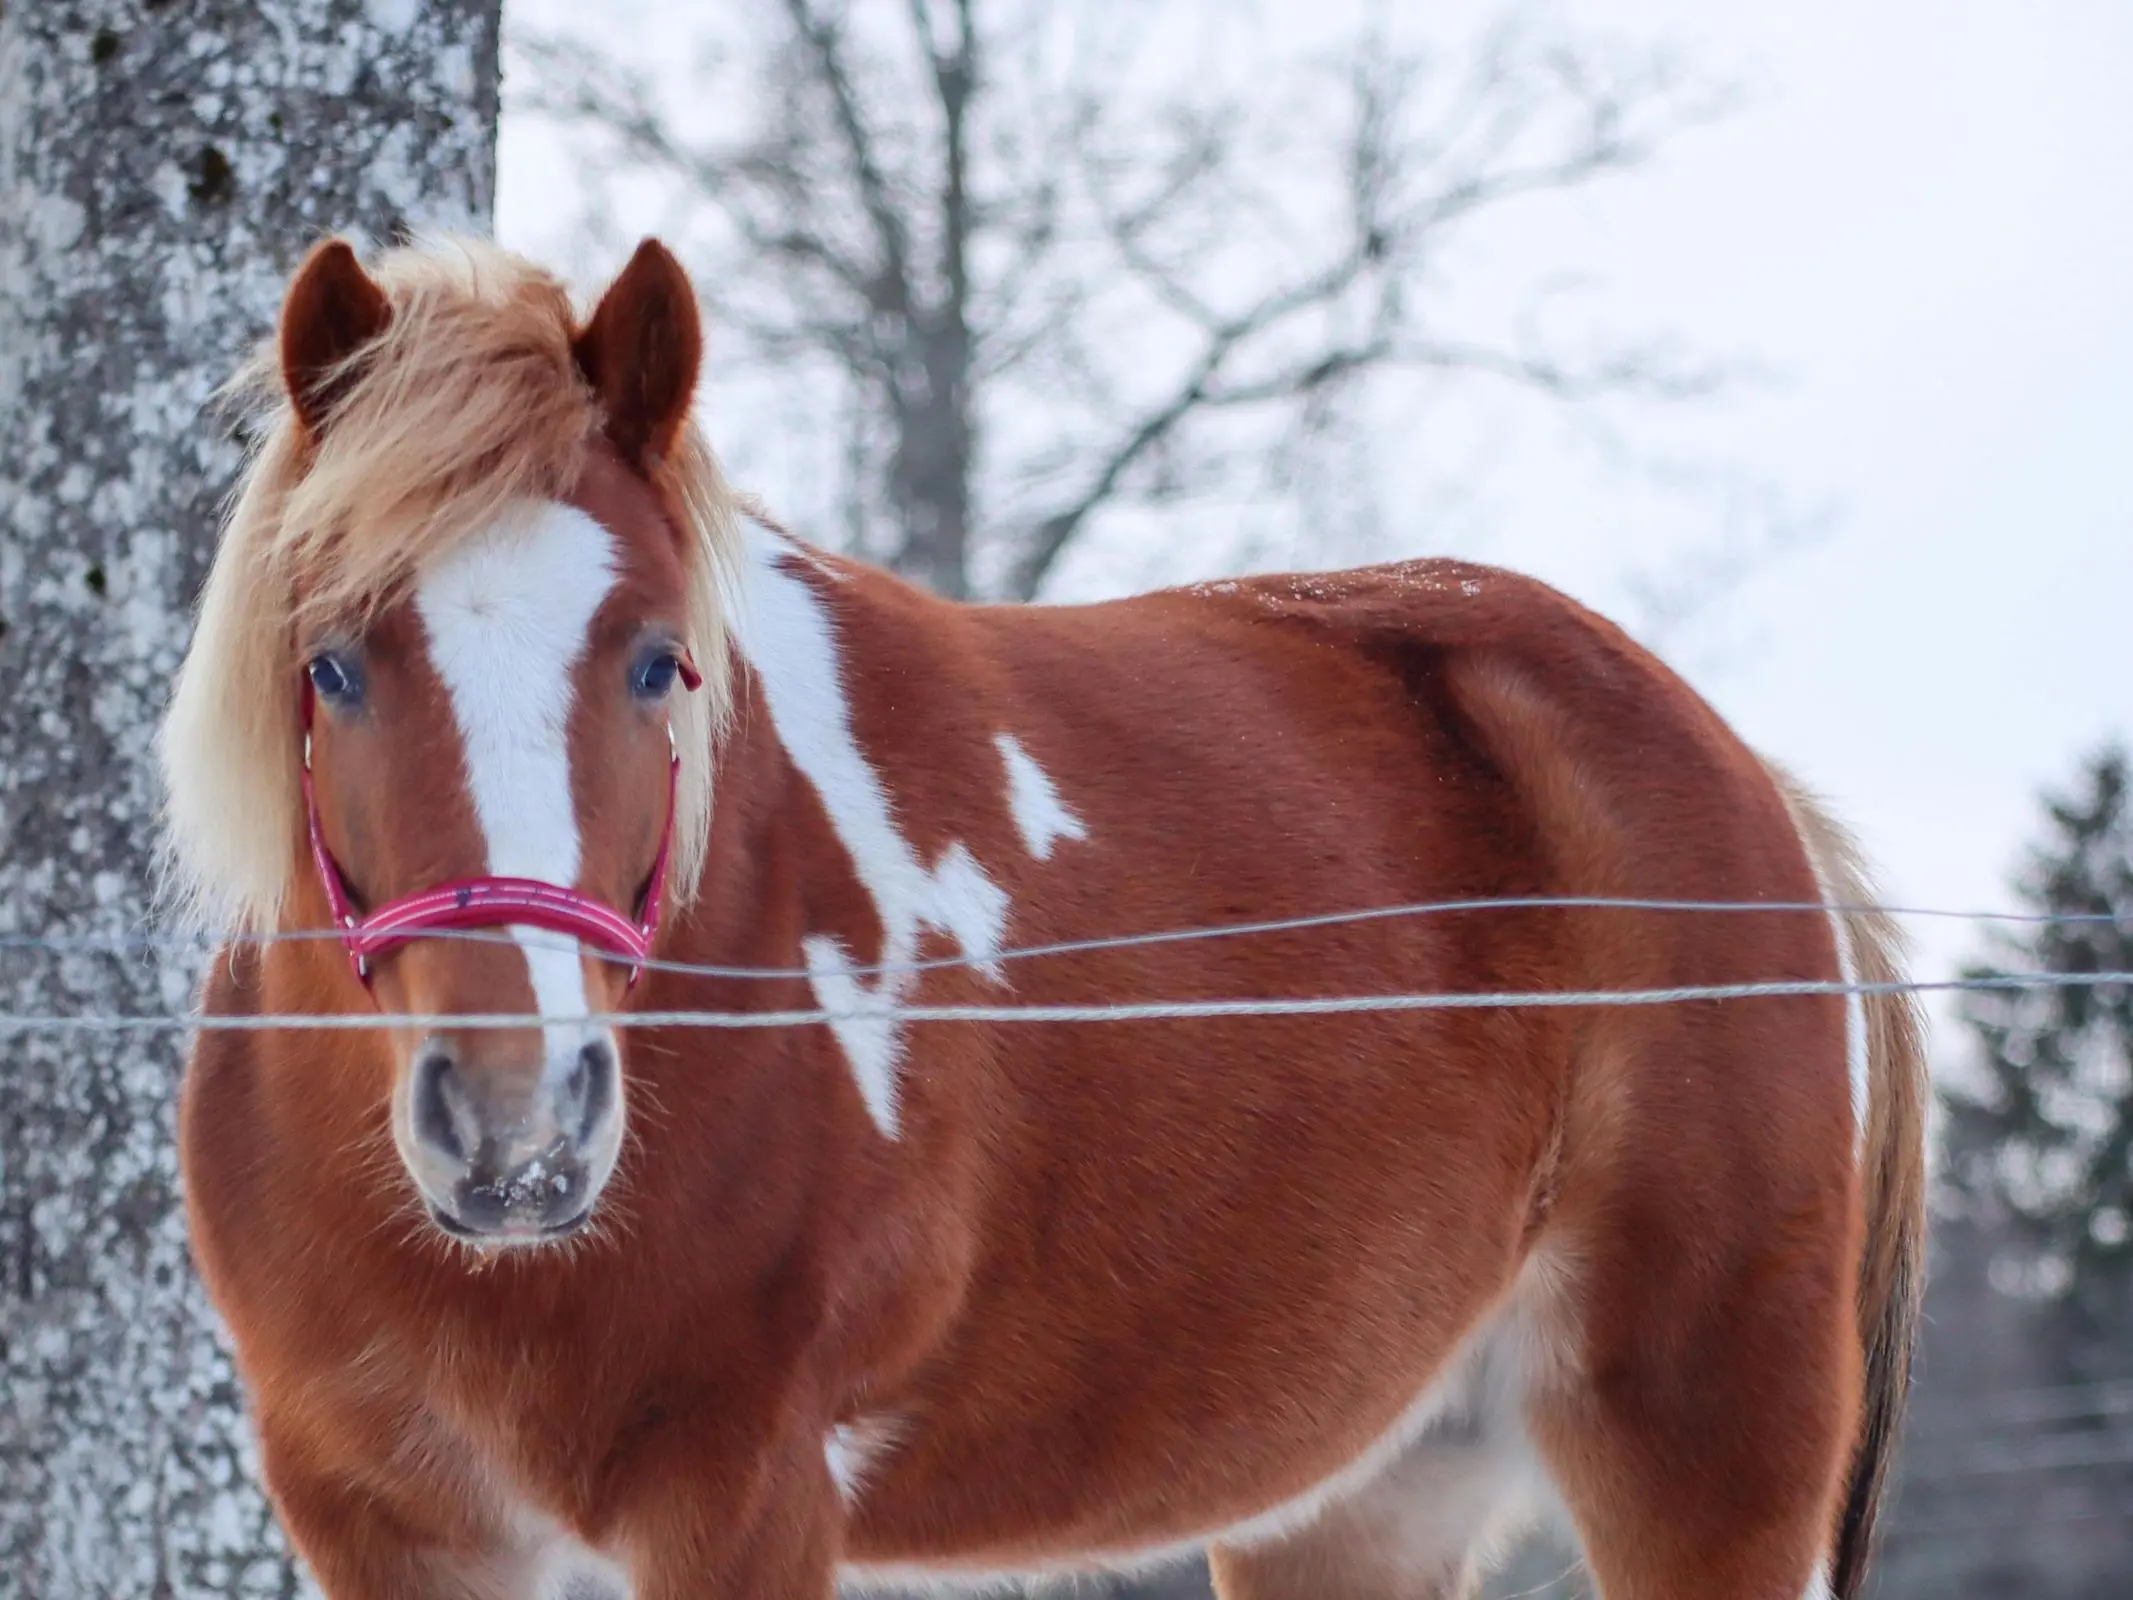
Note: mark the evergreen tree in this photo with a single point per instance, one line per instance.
(2040, 1144)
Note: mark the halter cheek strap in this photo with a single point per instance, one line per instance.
(491, 902)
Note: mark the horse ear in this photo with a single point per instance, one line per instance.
(641, 352)
(334, 308)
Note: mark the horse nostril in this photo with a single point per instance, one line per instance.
(591, 1088)
(435, 1088)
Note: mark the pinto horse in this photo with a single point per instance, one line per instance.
(503, 698)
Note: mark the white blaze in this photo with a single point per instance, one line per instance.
(507, 614)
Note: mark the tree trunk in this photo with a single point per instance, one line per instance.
(162, 167)
(931, 478)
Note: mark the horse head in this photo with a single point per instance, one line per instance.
(484, 563)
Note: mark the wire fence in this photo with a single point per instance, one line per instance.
(886, 1006)
(2066, 1434)
(146, 939)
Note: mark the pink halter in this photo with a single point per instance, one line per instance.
(492, 902)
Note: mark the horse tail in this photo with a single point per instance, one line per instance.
(1892, 1156)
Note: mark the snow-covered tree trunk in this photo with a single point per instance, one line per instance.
(162, 167)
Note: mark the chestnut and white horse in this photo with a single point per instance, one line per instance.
(581, 1307)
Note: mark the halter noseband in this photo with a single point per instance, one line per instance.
(491, 902)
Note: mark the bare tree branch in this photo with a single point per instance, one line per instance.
(563, 86)
(1384, 246)
(892, 282)
(1038, 282)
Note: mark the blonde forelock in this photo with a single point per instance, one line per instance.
(470, 399)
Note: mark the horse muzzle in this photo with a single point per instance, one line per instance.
(509, 1157)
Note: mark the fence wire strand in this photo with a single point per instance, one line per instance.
(150, 940)
(1128, 1011)
(887, 1009)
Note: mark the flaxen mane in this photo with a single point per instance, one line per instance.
(470, 400)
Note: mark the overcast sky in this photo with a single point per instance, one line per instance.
(1921, 224)
(1926, 221)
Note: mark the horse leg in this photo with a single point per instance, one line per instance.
(365, 1541)
(1700, 1445)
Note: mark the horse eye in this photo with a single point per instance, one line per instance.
(655, 676)
(334, 679)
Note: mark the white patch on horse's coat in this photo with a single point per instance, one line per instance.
(1041, 817)
(506, 614)
(970, 907)
(839, 1457)
(1857, 1057)
(537, 1556)
(785, 634)
(563, 1567)
(1818, 1586)
(1858, 1062)
(866, 1032)
(852, 1449)
(573, 1571)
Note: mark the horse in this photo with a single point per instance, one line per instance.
(511, 740)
